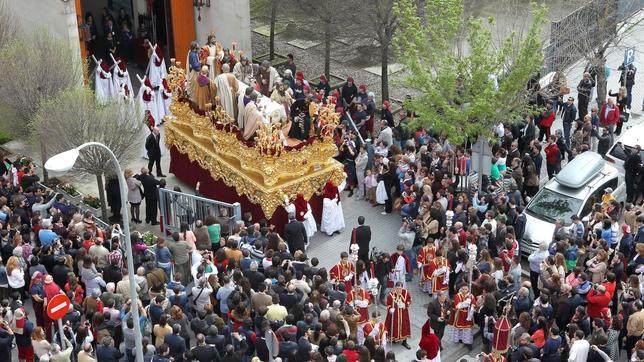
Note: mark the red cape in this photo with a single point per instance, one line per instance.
(429, 341)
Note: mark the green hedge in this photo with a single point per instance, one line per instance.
(5, 137)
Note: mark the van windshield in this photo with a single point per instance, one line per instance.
(618, 152)
(550, 206)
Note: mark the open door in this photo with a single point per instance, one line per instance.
(183, 28)
(80, 20)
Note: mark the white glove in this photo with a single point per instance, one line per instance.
(348, 277)
(401, 305)
(361, 303)
(420, 265)
(391, 311)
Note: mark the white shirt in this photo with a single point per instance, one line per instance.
(579, 351)
(16, 279)
(386, 134)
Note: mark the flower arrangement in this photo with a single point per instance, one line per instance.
(69, 189)
(91, 201)
(52, 182)
(149, 238)
(25, 160)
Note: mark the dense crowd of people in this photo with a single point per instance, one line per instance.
(222, 291)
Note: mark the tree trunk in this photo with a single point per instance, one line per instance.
(327, 48)
(420, 11)
(43, 158)
(601, 81)
(384, 64)
(101, 196)
(271, 37)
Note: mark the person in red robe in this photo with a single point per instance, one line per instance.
(425, 256)
(400, 266)
(343, 272)
(300, 207)
(429, 341)
(397, 322)
(360, 300)
(374, 328)
(493, 357)
(464, 303)
(438, 270)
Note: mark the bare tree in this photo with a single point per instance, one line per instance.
(327, 12)
(9, 28)
(384, 23)
(590, 33)
(35, 67)
(74, 117)
(262, 6)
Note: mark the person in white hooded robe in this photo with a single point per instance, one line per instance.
(103, 85)
(332, 215)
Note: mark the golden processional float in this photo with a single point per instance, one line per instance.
(262, 169)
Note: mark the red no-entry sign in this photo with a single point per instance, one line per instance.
(58, 306)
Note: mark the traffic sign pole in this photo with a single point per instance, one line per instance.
(57, 307)
(61, 334)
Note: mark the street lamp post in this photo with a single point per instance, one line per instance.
(64, 161)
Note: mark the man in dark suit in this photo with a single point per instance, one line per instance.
(438, 312)
(153, 147)
(362, 237)
(107, 352)
(203, 352)
(176, 343)
(569, 116)
(294, 234)
(151, 194)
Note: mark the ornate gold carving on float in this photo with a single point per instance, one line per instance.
(266, 171)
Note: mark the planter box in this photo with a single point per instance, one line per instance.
(96, 212)
(278, 60)
(71, 199)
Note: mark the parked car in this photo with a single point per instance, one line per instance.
(629, 138)
(574, 191)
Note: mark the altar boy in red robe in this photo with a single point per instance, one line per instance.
(343, 272)
(438, 270)
(360, 299)
(397, 322)
(400, 266)
(464, 303)
(425, 256)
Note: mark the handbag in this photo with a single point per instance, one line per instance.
(624, 116)
(381, 193)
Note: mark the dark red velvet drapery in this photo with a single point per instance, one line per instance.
(191, 173)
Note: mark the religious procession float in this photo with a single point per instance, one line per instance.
(212, 144)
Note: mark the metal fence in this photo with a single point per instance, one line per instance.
(584, 25)
(75, 207)
(178, 207)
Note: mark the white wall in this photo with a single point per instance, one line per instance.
(229, 20)
(56, 16)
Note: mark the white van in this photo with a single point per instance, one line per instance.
(629, 138)
(574, 191)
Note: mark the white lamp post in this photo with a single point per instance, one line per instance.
(64, 161)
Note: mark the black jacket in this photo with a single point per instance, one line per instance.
(363, 238)
(569, 113)
(152, 146)
(434, 312)
(205, 353)
(295, 235)
(149, 184)
(108, 354)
